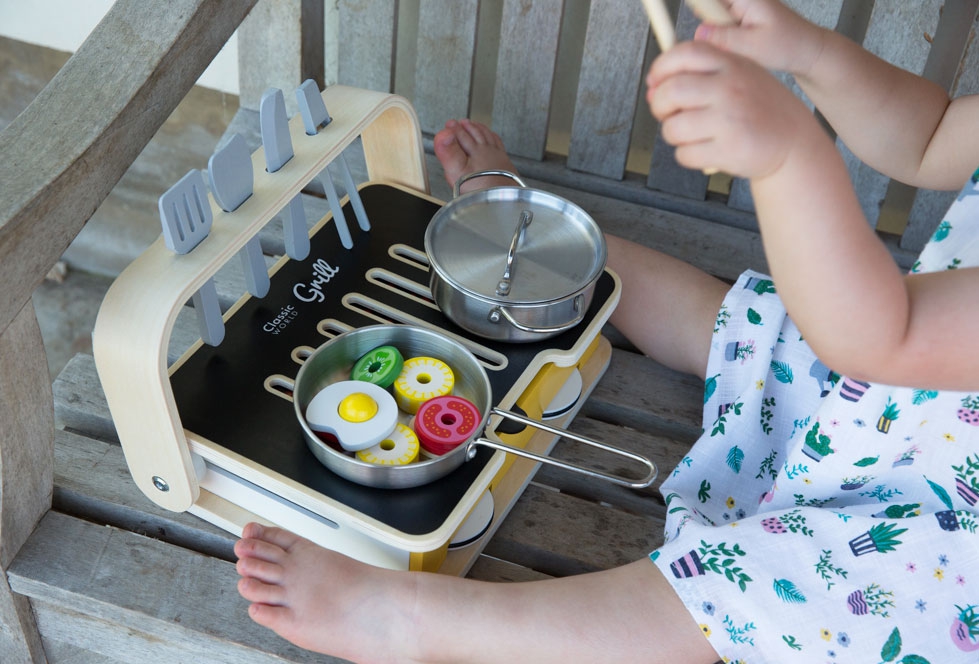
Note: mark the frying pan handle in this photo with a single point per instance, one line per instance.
(615, 479)
(497, 312)
(478, 174)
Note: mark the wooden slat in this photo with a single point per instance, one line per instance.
(281, 45)
(445, 51)
(718, 249)
(92, 482)
(26, 466)
(665, 174)
(70, 146)
(665, 452)
(20, 641)
(825, 13)
(897, 33)
(26, 432)
(525, 74)
(366, 39)
(561, 535)
(487, 568)
(606, 101)
(640, 393)
(127, 596)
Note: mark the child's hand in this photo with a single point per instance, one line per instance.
(724, 112)
(769, 33)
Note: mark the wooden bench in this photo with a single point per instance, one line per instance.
(94, 571)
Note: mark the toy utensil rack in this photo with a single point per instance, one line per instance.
(138, 313)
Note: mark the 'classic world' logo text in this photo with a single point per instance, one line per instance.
(284, 317)
(311, 292)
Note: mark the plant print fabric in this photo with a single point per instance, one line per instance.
(820, 518)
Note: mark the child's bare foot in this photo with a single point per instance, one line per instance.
(465, 147)
(321, 600)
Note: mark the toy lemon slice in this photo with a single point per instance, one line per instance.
(421, 379)
(398, 449)
(381, 366)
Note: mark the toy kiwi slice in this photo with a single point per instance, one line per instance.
(380, 366)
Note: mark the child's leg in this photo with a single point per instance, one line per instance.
(326, 602)
(668, 307)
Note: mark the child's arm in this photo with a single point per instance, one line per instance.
(837, 280)
(898, 123)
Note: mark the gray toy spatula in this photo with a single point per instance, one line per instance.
(186, 216)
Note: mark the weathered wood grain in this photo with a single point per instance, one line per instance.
(68, 148)
(525, 74)
(366, 40)
(640, 393)
(487, 568)
(444, 61)
(126, 596)
(605, 105)
(20, 641)
(93, 482)
(26, 450)
(665, 174)
(281, 46)
(26, 460)
(665, 452)
(560, 535)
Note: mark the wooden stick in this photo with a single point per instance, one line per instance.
(711, 11)
(662, 24)
(708, 11)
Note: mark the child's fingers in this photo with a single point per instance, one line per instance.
(682, 92)
(701, 156)
(686, 57)
(692, 126)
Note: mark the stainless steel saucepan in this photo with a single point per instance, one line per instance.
(514, 263)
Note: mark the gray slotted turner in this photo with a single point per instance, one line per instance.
(185, 213)
(232, 182)
(314, 113)
(274, 125)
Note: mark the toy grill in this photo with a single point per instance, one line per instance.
(216, 433)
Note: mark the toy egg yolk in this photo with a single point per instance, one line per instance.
(357, 407)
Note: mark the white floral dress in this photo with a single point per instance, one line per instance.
(824, 519)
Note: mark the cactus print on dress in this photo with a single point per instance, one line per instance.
(821, 518)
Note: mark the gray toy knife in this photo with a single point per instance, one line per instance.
(278, 150)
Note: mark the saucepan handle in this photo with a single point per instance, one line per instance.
(479, 174)
(502, 312)
(615, 479)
